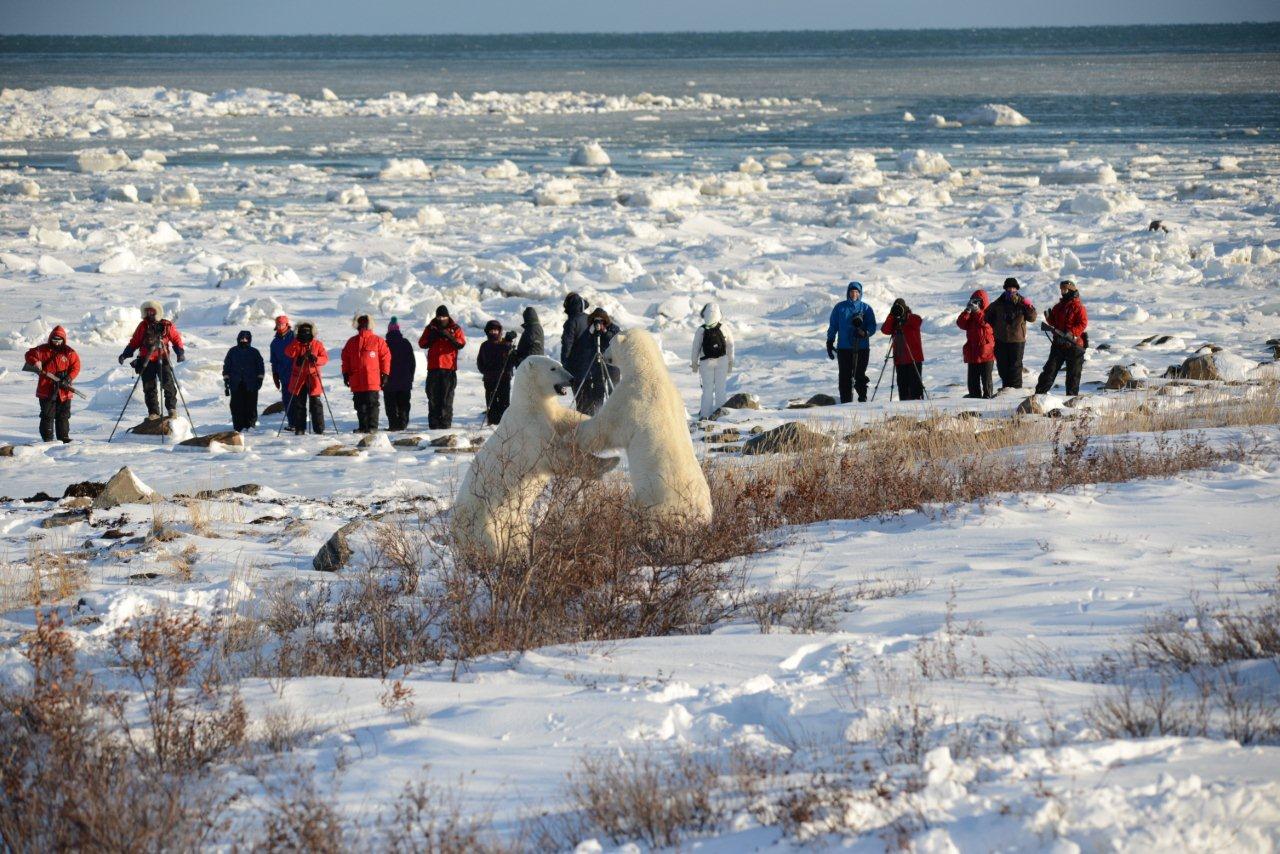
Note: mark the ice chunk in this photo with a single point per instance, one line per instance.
(186, 195)
(921, 162)
(557, 191)
(750, 166)
(99, 160)
(47, 265)
(25, 188)
(123, 261)
(1091, 171)
(733, 185)
(590, 154)
(410, 168)
(503, 170)
(1098, 202)
(351, 197)
(994, 115)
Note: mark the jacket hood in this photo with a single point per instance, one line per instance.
(531, 316)
(355, 319)
(981, 296)
(710, 314)
(315, 330)
(152, 304)
(244, 333)
(574, 304)
(851, 287)
(58, 332)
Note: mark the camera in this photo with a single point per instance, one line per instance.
(857, 321)
(973, 305)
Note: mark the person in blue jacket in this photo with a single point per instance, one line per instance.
(242, 373)
(282, 365)
(849, 341)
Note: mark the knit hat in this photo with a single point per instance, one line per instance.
(1069, 285)
(491, 325)
(393, 325)
(442, 311)
(282, 322)
(1011, 282)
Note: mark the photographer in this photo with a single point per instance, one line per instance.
(58, 366)
(849, 341)
(979, 345)
(908, 351)
(495, 363)
(308, 355)
(1009, 316)
(591, 383)
(1066, 322)
(530, 343)
(712, 358)
(442, 339)
(575, 323)
(366, 367)
(242, 373)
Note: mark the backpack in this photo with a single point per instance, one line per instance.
(713, 343)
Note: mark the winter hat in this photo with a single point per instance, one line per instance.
(1011, 282)
(600, 314)
(360, 321)
(853, 286)
(492, 325)
(442, 311)
(306, 329)
(1069, 285)
(531, 316)
(152, 305)
(58, 332)
(244, 335)
(710, 314)
(282, 323)
(393, 325)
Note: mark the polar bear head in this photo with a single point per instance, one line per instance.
(635, 353)
(540, 377)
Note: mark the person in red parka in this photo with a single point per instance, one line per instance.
(151, 341)
(366, 364)
(308, 356)
(908, 351)
(979, 344)
(58, 360)
(1067, 322)
(442, 339)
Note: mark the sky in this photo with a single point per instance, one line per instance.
(287, 17)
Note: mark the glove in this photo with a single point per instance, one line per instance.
(510, 336)
(30, 367)
(122, 358)
(384, 378)
(856, 321)
(311, 359)
(831, 350)
(346, 380)
(1046, 327)
(182, 357)
(226, 388)
(275, 378)
(695, 368)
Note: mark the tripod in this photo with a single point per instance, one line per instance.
(893, 346)
(181, 396)
(596, 360)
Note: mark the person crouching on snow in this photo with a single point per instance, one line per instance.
(57, 360)
(151, 341)
(712, 358)
(307, 356)
(908, 351)
(495, 363)
(242, 373)
(366, 366)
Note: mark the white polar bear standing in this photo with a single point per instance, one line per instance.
(646, 417)
(491, 516)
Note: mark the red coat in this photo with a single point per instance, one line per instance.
(980, 338)
(53, 360)
(169, 335)
(306, 374)
(366, 359)
(442, 345)
(908, 349)
(1069, 316)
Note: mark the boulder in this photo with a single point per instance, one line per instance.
(453, 440)
(123, 488)
(408, 442)
(6, 450)
(84, 489)
(818, 399)
(339, 451)
(230, 438)
(276, 408)
(1033, 405)
(1201, 367)
(788, 438)
(60, 520)
(153, 427)
(1121, 377)
(336, 551)
(226, 492)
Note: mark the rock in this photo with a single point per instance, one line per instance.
(1158, 225)
(790, 437)
(335, 553)
(1173, 372)
(1033, 405)
(453, 440)
(742, 400)
(369, 441)
(6, 450)
(123, 488)
(408, 442)
(38, 498)
(723, 437)
(276, 408)
(113, 534)
(1200, 367)
(84, 489)
(1121, 377)
(60, 520)
(81, 503)
(819, 399)
(230, 438)
(469, 449)
(338, 451)
(153, 427)
(242, 489)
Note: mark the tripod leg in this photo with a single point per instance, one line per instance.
(123, 408)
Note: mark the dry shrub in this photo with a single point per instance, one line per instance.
(428, 819)
(52, 571)
(297, 818)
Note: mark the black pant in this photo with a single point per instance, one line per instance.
(298, 406)
(980, 379)
(497, 392)
(159, 373)
(910, 380)
(55, 413)
(397, 403)
(1009, 363)
(440, 385)
(1059, 355)
(244, 407)
(853, 373)
(367, 411)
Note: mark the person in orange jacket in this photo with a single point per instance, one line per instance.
(57, 360)
(979, 345)
(908, 351)
(151, 340)
(442, 339)
(1067, 322)
(366, 364)
(308, 356)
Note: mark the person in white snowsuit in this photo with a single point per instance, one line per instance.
(712, 358)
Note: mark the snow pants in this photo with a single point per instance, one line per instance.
(397, 404)
(853, 373)
(244, 407)
(910, 379)
(368, 411)
(55, 417)
(441, 384)
(980, 379)
(1060, 355)
(300, 403)
(1009, 363)
(714, 374)
(159, 373)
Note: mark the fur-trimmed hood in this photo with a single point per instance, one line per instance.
(152, 304)
(355, 319)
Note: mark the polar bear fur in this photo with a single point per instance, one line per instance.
(646, 417)
(491, 516)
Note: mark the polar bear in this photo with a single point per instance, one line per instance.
(491, 516)
(646, 417)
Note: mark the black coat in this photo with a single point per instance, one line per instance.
(583, 354)
(574, 326)
(492, 359)
(243, 365)
(404, 364)
(530, 343)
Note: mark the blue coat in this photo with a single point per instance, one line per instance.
(281, 365)
(243, 365)
(403, 362)
(841, 329)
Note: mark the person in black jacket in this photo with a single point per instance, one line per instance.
(397, 391)
(575, 307)
(494, 362)
(590, 382)
(530, 343)
(242, 373)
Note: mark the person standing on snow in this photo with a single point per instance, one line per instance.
(58, 360)
(282, 365)
(397, 391)
(849, 341)
(575, 309)
(593, 379)
(908, 351)
(1067, 322)
(494, 361)
(151, 341)
(442, 339)
(306, 356)
(979, 346)
(530, 343)
(1009, 316)
(712, 359)
(242, 373)
(366, 367)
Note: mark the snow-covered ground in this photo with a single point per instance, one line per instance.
(87, 233)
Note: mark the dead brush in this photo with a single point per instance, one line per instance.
(429, 818)
(54, 571)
